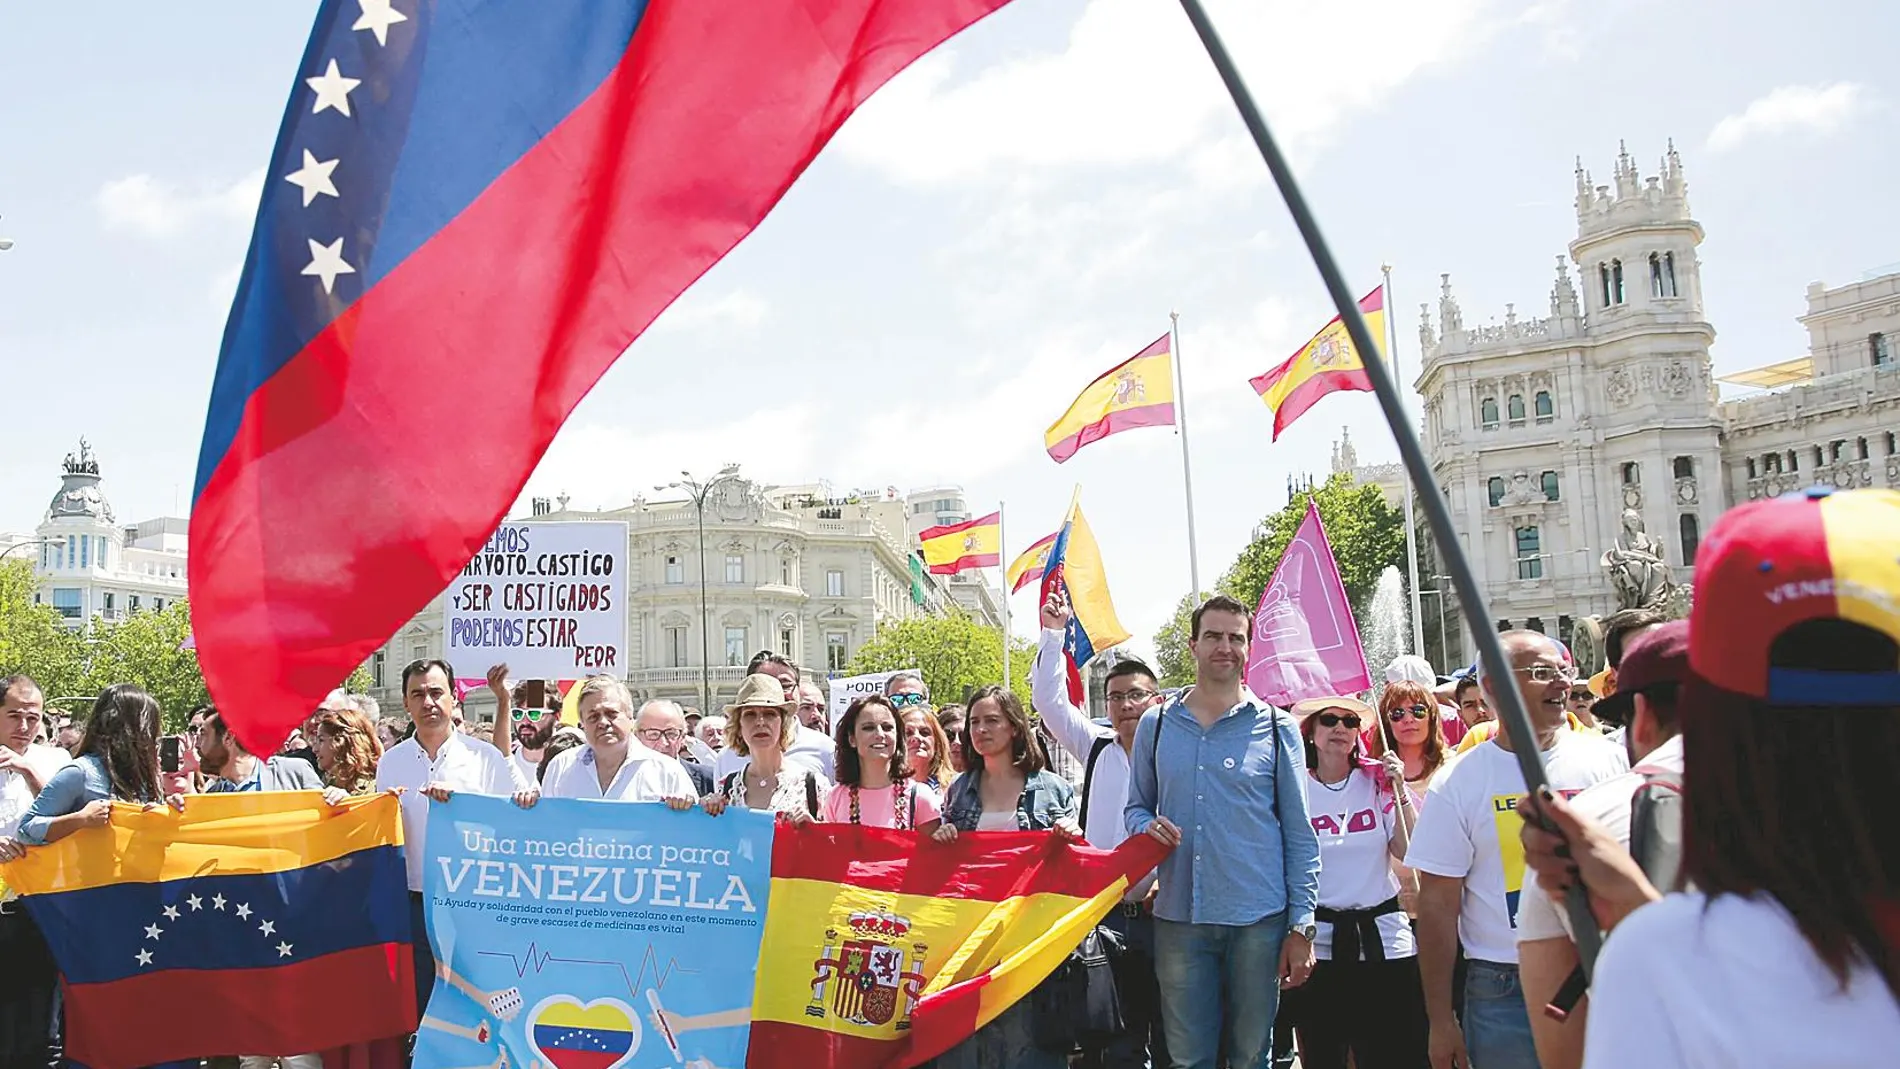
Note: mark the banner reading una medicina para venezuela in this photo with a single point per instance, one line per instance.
(604, 935)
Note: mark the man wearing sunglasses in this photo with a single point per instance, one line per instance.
(1468, 887)
(523, 729)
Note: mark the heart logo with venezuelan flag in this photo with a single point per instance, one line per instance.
(570, 1034)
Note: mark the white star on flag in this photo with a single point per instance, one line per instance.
(153, 931)
(333, 90)
(314, 177)
(171, 913)
(217, 901)
(283, 950)
(377, 18)
(145, 957)
(326, 262)
(267, 928)
(244, 911)
(195, 902)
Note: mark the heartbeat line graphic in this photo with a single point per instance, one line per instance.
(537, 960)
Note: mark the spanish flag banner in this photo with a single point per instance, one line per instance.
(1324, 365)
(954, 548)
(1028, 568)
(881, 951)
(235, 906)
(1138, 392)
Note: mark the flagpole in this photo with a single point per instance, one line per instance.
(1187, 470)
(1002, 554)
(1411, 537)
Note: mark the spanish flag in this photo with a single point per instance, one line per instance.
(1138, 392)
(1028, 568)
(974, 543)
(1326, 364)
(285, 919)
(881, 951)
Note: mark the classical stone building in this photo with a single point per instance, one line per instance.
(805, 571)
(90, 566)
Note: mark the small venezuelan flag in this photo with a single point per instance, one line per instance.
(1326, 364)
(1138, 392)
(1075, 567)
(974, 543)
(877, 953)
(1028, 568)
(287, 913)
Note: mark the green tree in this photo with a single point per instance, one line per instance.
(1173, 659)
(1367, 536)
(144, 649)
(33, 638)
(955, 653)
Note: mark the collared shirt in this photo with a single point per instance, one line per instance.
(71, 789)
(1237, 792)
(1046, 799)
(1107, 780)
(812, 748)
(284, 773)
(459, 765)
(15, 797)
(645, 776)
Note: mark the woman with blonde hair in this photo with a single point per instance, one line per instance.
(927, 749)
(348, 750)
(1411, 718)
(761, 724)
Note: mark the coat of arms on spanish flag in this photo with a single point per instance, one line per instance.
(1326, 364)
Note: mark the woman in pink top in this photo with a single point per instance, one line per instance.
(874, 782)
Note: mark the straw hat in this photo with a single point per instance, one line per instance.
(1310, 706)
(760, 692)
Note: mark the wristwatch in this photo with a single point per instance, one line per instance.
(1308, 932)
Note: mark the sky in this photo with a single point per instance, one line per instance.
(1015, 214)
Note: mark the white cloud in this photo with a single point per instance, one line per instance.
(737, 309)
(604, 461)
(1818, 108)
(153, 208)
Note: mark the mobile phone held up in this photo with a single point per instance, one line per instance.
(170, 750)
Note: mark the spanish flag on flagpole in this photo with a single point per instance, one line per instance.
(1138, 392)
(954, 548)
(1324, 365)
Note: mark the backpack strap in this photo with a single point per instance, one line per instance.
(1088, 776)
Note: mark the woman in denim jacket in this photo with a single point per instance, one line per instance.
(1005, 787)
(118, 761)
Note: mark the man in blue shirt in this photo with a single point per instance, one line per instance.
(1218, 774)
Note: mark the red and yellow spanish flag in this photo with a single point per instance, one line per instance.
(1028, 568)
(1138, 392)
(974, 543)
(1324, 365)
(883, 950)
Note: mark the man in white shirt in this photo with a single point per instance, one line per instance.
(812, 747)
(523, 729)
(29, 979)
(1470, 863)
(432, 765)
(1651, 670)
(1103, 751)
(614, 765)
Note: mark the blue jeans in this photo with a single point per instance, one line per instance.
(1220, 989)
(1497, 1026)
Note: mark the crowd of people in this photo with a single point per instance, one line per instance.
(1357, 879)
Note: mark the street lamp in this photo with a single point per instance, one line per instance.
(5, 244)
(699, 491)
(31, 541)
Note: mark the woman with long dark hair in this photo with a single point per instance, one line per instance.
(117, 762)
(874, 785)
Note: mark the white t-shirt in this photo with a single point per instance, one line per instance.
(459, 765)
(1355, 825)
(1469, 825)
(1608, 803)
(1682, 983)
(529, 769)
(645, 776)
(15, 798)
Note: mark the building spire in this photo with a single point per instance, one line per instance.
(1450, 319)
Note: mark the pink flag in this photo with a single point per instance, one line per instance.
(1305, 643)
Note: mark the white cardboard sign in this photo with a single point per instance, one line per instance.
(549, 599)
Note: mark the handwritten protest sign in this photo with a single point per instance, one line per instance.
(849, 689)
(550, 599)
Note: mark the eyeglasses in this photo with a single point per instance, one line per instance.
(532, 716)
(1543, 673)
(1583, 696)
(1333, 720)
(661, 734)
(905, 701)
(1131, 697)
(1418, 712)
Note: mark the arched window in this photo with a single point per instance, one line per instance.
(1860, 448)
(1495, 490)
(1751, 467)
(1544, 406)
(1691, 536)
(1515, 406)
(1616, 281)
(1550, 485)
(1603, 276)
(1662, 274)
(1669, 274)
(1530, 561)
(1632, 474)
(1488, 412)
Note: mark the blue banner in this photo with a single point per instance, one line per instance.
(592, 935)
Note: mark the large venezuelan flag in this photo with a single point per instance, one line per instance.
(1075, 567)
(974, 543)
(262, 922)
(1138, 392)
(885, 951)
(471, 205)
(1326, 364)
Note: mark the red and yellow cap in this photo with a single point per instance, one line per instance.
(1769, 565)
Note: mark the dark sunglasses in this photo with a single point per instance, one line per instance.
(1333, 720)
(905, 701)
(1419, 712)
(532, 716)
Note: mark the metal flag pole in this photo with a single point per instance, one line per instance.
(1187, 470)
(1511, 711)
(1411, 537)
(1002, 544)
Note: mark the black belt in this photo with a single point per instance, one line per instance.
(1354, 929)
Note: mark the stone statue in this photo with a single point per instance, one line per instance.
(1636, 566)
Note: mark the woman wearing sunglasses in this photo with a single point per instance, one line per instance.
(1411, 721)
(1365, 953)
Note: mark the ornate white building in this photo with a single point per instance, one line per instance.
(1547, 433)
(89, 567)
(804, 571)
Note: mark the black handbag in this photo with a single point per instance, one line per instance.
(1078, 1004)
